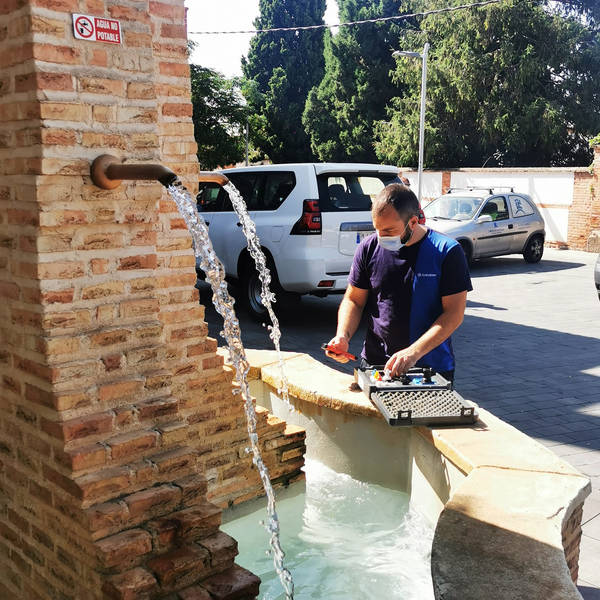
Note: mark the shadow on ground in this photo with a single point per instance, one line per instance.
(589, 593)
(305, 325)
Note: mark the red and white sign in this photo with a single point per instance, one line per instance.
(96, 29)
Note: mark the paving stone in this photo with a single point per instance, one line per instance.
(588, 560)
(591, 508)
(592, 528)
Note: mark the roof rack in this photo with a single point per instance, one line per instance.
(510, 188)
(471, 188)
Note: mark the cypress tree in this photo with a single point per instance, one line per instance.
(357, 85)
(280, 69)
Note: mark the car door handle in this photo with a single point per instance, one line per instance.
(238, 224)
(510, 225)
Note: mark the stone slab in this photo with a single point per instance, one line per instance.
(497, 539)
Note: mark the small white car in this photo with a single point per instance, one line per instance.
(489, 223)
(309, 218)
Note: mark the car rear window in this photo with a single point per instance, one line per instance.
(341, 192)
(260, 191)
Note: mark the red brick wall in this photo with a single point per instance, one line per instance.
(584, 214)
(117, 417)
(593, 242)
(580, 212)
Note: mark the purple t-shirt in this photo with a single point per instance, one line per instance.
(388, 276)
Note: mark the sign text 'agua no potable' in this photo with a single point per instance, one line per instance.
(96, 29)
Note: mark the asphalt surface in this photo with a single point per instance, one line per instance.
(528, 351)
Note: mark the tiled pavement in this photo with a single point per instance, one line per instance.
(528, 351)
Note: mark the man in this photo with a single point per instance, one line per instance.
(413, 283)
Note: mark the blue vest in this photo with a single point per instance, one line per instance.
(426, 304)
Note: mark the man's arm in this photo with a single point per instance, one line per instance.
(349, 315)
(453, 310)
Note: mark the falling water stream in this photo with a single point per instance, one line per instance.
(223, 303)
(267, 296)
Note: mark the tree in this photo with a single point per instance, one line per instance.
(219, 117)
(512, 80)
(356, 86)
(280, 70)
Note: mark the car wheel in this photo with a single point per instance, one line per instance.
(468, 250)
(251, 294)
(534, 249)
(252, 289)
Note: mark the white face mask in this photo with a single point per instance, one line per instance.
(394, 242)
(390, 242)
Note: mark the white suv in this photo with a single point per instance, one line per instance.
(309, 218)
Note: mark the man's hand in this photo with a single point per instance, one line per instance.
(340, 344)
(400, 362)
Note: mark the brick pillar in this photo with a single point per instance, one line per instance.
(446, 181)
(114, 403)
(593, 241)
(584, 212)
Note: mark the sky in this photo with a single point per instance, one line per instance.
(224, 52)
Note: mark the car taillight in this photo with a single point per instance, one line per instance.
(310, 221)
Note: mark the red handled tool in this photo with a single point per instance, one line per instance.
(327, 347)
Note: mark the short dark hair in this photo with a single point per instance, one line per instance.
(401, 198)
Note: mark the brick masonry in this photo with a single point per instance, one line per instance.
(120, 437)
(571, 538)
(584, 214)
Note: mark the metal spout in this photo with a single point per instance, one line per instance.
(108, 171)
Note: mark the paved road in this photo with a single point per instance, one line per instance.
(528, 351)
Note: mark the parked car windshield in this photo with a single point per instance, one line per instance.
(455, 208)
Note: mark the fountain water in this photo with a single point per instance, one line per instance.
(223, 302)
(267, 296)
(106, 172)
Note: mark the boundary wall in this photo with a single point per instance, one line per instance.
(568, 198)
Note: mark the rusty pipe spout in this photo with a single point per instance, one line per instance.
(108, 171)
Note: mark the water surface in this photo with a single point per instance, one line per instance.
(344, 539)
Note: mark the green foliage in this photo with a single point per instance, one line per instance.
(595, 141)
(512, 83)
(280, 70)
(356, 87)
(219, 118)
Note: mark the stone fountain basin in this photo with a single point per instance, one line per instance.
(507, 510)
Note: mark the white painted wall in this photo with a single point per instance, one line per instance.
(545, 187)
(432, 184)
(551, 190)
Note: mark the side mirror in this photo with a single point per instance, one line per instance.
(485, 219)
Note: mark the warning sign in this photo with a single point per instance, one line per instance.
(96, 29)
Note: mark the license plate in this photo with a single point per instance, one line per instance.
(361, 235)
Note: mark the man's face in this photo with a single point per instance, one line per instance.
(389, 224)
